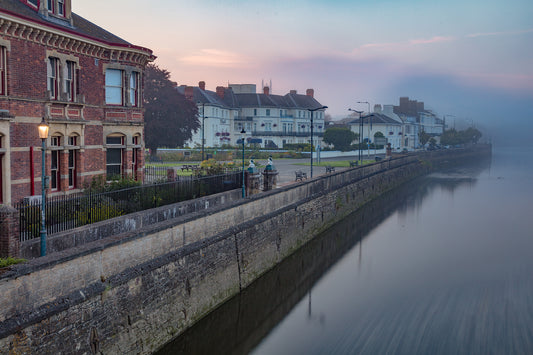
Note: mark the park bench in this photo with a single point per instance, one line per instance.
(330, 169)
(378, 158)
(354, 164)
(300, 175)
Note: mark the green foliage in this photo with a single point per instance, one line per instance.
(341, 138)
(379, 134)
(423, 137)
(100, 184)
(212, 167)
(170, 118)
(298, 147)
(5, 262)
(95, 211)
(453, 137)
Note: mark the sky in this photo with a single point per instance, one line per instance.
(471, 60)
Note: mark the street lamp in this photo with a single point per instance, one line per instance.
(43, 134)
(369, 127)
(313, 110)
(243, 132)
(360, 132)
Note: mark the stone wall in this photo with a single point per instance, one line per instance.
(133, 292)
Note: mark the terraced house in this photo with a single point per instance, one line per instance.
(269, 120)
(87, 85)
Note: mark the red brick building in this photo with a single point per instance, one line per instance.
(84, 81)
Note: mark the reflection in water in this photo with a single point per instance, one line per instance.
(240, 324)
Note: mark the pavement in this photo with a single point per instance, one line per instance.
(287, 167)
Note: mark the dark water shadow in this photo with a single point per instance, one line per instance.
(240, 324)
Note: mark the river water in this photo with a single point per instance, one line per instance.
(442, 265)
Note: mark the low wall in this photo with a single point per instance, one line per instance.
(134, 291)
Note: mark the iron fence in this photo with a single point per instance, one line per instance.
(68, 212)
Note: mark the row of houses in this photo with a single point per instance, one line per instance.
(267, 119)
(85, 82)
(400, 125)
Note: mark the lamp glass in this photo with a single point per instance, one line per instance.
(43, 130)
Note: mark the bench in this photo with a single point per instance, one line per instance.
(330, 169)
(300, 175)
(378, 158)
(354, 164)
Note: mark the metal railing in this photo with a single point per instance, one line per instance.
(68, 212)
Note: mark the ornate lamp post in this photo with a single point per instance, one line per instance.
(43, 134)
(313, 110)
(243, 132)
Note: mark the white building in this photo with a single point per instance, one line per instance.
(270, 120)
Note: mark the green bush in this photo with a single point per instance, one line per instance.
(5, 262)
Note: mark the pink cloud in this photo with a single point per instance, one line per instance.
(436, 39)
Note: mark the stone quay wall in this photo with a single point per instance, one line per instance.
(136, 290)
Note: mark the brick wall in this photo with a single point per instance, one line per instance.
(28, 102)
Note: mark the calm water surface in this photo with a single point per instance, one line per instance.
(443, 266)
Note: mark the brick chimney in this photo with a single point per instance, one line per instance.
(201, 85)
(293, 92)
(266, 90)
(310, 92)
(189, 92)
(220, 91)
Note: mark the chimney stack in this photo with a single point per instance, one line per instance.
(293, 92)
(266, 90)
(220, 91)
(201, 85)
(310, 92)
(189, 92)
(377, 108)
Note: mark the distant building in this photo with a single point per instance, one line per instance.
(269, 120)
(84, 81)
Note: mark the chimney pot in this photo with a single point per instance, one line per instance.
(310, 92)
(201, 85)
(220, 91)
(266, 90)
(189, 92)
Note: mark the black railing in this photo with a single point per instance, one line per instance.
(154, 174)
(68, 212)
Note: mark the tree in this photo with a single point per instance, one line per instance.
(170, 118)
(423, 137)
(341, 138)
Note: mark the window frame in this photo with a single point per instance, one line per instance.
(111, 87)
(70, 80)
(3, 70)
(72, 162)
(55, 156)
(115, 146)
(52, 82)
(134, 88)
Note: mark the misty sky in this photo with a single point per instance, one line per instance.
(469, 58)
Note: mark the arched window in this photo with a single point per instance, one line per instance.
(115, 146)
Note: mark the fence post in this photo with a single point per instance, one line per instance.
(9, 232)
